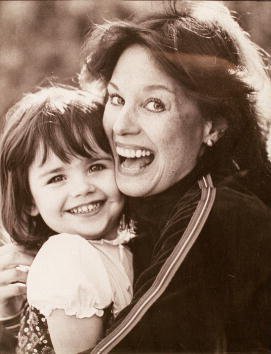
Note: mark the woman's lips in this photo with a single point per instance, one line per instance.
(134, 160)
(133, 153)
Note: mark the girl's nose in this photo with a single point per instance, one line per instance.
(126, 123)
(81, 186)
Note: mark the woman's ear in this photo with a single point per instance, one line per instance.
(213, 131)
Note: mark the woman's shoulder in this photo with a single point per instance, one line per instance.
(240, 215)
(235, 198)
(233, 204)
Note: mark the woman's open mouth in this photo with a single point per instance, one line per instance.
(134, 160)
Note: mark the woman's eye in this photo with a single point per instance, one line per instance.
(116, 100)
(96, 167)
(56, 179)
(154, 105)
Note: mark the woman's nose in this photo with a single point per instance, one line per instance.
(81, 186)
(126, 123)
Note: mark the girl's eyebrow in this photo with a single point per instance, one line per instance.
(101, 158)
(113, 85)
(107, 158)
(60, 169)
(52, 171)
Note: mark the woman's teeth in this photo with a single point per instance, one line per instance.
(84, 209)
(133, 161)
(132, 153)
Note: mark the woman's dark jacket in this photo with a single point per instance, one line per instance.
(219, 299)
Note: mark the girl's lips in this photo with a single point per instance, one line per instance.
(90, 208)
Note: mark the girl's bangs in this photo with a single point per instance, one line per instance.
(67, 138)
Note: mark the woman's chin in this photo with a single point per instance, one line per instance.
(133, 189)
(137, 184)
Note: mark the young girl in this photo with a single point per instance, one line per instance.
(59, 192)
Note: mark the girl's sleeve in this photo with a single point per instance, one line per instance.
(68, 273)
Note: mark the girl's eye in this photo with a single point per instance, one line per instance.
(96, 167)
(56, 179)
(154, 105)
(116, 100)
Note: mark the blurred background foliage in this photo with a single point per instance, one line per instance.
(42, 39)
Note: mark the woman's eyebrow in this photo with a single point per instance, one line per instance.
(147, 88)
(158, 87)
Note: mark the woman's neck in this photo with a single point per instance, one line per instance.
(154, 210)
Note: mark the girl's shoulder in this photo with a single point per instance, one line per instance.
(73, 252)
(68, 255)
(65, 246)
(68, 273)
(64, 241)
(71, 273)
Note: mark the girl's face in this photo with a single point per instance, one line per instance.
(79, 197)
(155, 131)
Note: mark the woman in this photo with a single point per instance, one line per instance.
(182, 122)
(181, 116)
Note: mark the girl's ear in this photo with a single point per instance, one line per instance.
(33, 210)
(213, 131)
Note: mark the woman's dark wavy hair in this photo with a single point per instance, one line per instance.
(61, 119)
(203, 47)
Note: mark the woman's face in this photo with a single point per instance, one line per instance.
(155, 130)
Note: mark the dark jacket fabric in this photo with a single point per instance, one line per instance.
(219, 300)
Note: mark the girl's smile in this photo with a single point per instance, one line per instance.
(79, 196)
(87, 209)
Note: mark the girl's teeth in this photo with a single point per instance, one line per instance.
(85, 209)
(132, 153)
(138, 153)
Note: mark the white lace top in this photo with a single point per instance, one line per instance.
(81, 277)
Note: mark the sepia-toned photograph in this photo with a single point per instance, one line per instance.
(135, 177)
